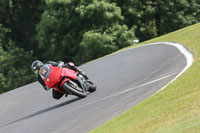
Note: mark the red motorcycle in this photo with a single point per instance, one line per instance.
(66, 81)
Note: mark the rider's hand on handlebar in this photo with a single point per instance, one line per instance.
(60, 64)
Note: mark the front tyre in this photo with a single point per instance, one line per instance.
(92, 86)
(75, 90)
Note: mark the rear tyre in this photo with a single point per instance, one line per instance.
(75, 91)
(92, 86)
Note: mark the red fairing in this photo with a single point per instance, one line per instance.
(53, 77)
(56, 74)
(65, 80)
(69, 73)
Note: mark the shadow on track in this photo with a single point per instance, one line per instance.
(43, 111)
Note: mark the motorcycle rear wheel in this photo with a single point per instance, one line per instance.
(74, 91)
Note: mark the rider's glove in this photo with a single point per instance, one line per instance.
(60, 64)
(82, 73)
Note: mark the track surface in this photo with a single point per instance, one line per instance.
(123, 79)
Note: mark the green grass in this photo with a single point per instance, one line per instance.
(174, 109)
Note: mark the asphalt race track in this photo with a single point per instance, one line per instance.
(123, 79)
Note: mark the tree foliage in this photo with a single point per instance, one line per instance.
(58, 32)
(18, 19)
(99, 14)
(63, 27)
(157, 17)
(21, 17)
(97, 43)
(15, 67)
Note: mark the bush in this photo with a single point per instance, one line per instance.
(15, 69)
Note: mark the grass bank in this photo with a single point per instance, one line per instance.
(174, 109)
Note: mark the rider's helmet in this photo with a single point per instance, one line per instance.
(36, 65)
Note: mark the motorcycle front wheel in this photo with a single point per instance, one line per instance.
(74, 90)
(92, 86)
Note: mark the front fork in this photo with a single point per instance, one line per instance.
(83, 82)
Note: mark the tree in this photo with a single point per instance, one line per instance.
(21, 17)
(15, 69)
(97, 43)
(64, 24)
(99, 15)
(157, 17)
(58, 32)
(4, 32)
(173, 15)
(139, 14)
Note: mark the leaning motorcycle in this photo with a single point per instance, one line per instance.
(66, 81)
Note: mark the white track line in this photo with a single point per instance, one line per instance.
(189, 59)
(130, 89)
(188, 55)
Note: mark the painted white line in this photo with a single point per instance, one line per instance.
(189, 59)
(113, 95)
(130, 89)
(188, 55)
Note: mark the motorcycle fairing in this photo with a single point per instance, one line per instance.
(56, 74)
(66, 72)
(53, 77)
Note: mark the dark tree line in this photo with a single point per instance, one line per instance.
(80, 31)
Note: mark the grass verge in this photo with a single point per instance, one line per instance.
(174, 109)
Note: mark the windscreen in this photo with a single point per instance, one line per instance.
(45, 70)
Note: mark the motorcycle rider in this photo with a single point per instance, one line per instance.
(36, 65)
